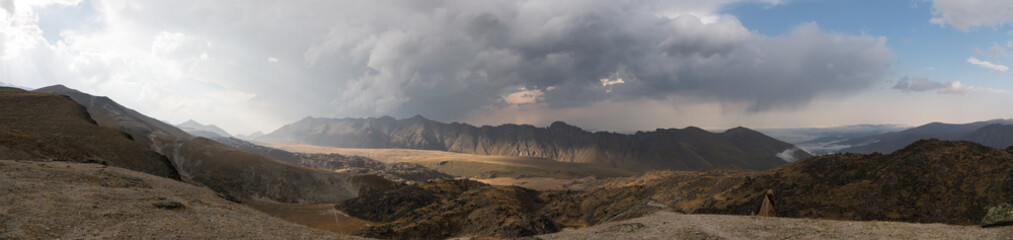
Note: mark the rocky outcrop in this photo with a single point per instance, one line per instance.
(677, 149)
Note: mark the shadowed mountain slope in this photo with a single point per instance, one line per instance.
(992, 135)
(681, 149)
(237, 174)
(893, 141)
(53, 127)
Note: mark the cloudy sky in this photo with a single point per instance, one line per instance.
(621, 65)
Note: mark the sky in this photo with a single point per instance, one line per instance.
(615, 65)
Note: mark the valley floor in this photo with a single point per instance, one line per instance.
(669, 225)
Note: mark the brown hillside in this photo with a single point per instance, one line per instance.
(237, 174)
(52, 127)
(107, 113)
(61, 200)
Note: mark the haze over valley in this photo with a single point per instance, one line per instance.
(519, 119)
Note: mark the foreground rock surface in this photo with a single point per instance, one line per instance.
(61, 200)
(669, 225)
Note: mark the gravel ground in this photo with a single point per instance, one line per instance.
(669, 225)
(60, 200)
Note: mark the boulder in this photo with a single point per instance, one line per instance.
(1001, 215)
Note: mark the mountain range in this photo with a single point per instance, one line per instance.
(677, 149)
(993, 133)
(824, 140)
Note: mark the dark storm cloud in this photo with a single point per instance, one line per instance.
(447, 58)
(450, 57)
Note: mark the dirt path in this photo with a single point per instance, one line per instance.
(668, 225)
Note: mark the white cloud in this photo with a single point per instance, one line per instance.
(524, 96)
(967, 14)
(611, 80)
(989, 65)
(961, 89)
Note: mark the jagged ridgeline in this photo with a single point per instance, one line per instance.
(675, 149)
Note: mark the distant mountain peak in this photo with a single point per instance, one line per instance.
(561, 124)
(193, 127)
(418, 117)
(57, 88)
(741, 130)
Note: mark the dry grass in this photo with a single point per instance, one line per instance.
(668, 225)
(318, 216)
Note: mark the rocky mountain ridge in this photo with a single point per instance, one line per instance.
(677, 149)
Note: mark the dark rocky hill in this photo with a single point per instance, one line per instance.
(927, 181)
(679, 149)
